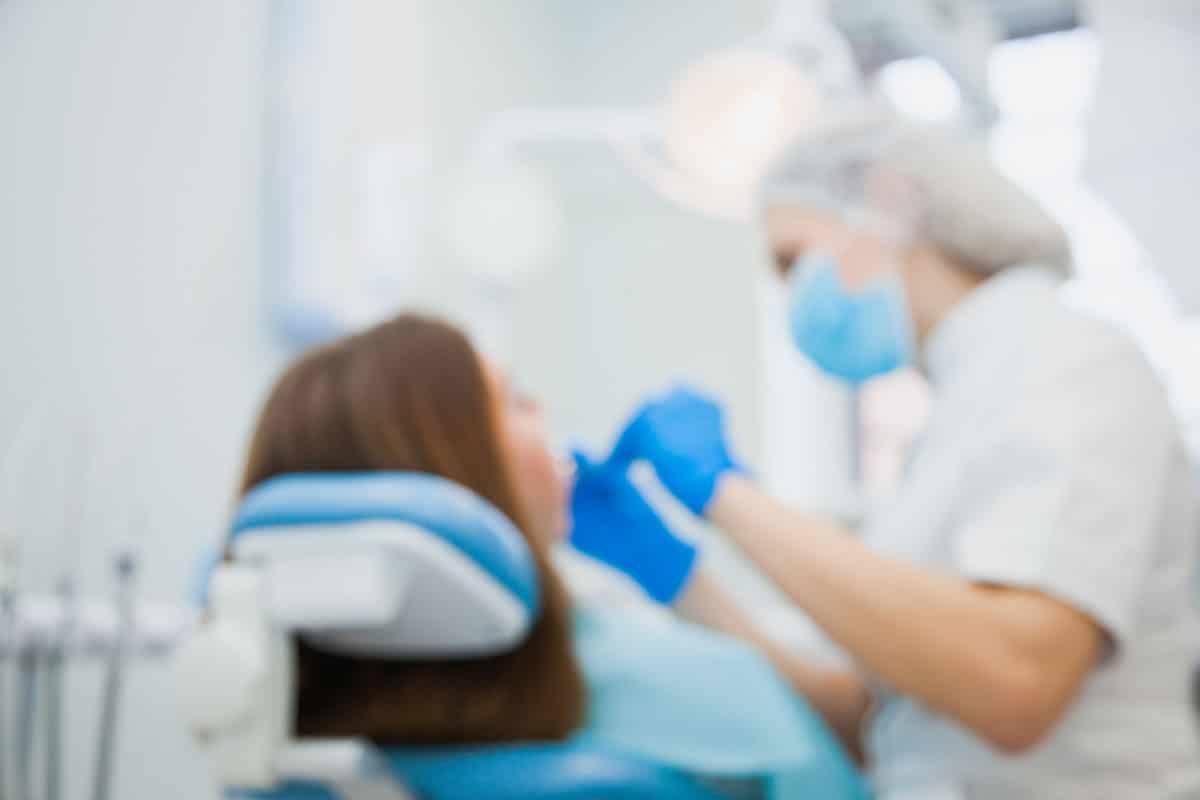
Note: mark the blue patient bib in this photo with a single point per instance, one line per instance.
(685, 697)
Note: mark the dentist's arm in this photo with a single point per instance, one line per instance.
(1006, 663)
(614, 524)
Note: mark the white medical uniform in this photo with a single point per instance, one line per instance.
(1053, 462)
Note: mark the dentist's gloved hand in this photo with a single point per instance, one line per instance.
(614, 524)
(682, 434)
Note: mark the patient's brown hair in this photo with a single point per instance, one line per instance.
(410, 394)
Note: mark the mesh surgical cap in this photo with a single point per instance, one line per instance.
(940, 186)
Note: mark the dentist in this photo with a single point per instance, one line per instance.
(1021, 617)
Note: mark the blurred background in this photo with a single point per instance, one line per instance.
(192, 193)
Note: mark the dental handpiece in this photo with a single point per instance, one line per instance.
(16, 677)
(75, 483)
(8, 647)
(10, 631)
(17, 645)
(26, 717)
(56, 654)
(126, 569)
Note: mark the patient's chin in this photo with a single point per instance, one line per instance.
(556, 528)
(561, 527)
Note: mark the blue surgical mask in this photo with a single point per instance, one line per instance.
(852, 335)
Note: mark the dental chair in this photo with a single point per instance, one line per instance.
(381, 565)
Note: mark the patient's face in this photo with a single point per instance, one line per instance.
(539, 479)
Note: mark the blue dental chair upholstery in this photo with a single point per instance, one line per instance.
(565, 771)
(387, 565)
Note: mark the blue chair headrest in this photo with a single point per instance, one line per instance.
(454, 514)
(460, 517)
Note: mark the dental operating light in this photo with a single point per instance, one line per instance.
(731, 112)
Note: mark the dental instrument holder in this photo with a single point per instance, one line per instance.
(55, 630)
(39, 623)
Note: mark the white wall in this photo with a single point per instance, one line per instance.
(642, 292)
(1145, 127)
(129, 288)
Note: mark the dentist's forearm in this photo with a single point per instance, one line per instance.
(1004, 663)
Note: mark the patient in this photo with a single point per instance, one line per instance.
(413, 395)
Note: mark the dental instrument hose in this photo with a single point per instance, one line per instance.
(27, 689)
(8, 647)
(55, 675)
(10, 628)
(126, 568)
(74, 489)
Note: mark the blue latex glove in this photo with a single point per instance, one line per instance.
(682, 435)
(613, 523)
